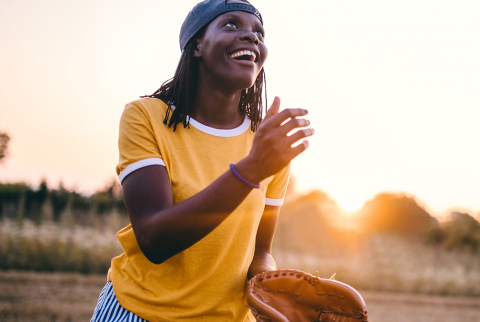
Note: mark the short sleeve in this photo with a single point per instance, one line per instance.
(137, 145)
(277, 187)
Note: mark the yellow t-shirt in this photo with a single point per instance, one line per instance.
(205, 282)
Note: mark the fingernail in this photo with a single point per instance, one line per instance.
(312, 131)
(308, 122)
(305, 111)
(306, 144)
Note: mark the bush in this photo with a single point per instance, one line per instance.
(460, 233)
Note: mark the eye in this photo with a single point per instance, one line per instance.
(230, 23)
(260, 34)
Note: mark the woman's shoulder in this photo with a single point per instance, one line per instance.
(150, 111)
(148, 104)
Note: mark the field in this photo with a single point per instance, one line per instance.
(402, 277)
(41, 297)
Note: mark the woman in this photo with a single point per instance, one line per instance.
(203, 179)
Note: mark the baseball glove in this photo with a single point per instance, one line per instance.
(294, 296)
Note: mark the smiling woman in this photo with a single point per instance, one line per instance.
(196, 59)
(203, 198)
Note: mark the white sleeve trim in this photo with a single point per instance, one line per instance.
(138, 165)
(273, 202)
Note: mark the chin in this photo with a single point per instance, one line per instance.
(244, 82)
(248, 85)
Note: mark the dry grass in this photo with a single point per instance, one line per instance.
(58, 247)
(395, 265)
(400, 307)
(42, 297)
(382, 263)
(59, 297)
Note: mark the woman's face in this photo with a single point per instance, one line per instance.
(232, 50)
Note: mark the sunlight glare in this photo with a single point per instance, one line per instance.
(350, 204)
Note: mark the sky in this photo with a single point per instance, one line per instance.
(392, 89)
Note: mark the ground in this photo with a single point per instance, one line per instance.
(39, 297)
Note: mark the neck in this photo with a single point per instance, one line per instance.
(217, 107)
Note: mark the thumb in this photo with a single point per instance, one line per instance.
(273, 108)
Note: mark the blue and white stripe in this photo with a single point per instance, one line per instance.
(109, 310)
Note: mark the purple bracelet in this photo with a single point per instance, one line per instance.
(245, 181)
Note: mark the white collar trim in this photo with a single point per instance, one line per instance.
(226, 133)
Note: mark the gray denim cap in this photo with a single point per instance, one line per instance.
(206, 11)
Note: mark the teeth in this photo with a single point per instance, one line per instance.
(244, 53)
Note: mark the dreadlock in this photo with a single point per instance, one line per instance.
(180, 92)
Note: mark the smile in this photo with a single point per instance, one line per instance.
(244, 55)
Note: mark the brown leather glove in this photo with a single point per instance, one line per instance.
(294, 296)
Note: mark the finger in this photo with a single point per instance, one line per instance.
(273, 108)
(294, 152)
(293, 124)
(279, 118)
(300, 134)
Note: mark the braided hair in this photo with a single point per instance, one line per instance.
(180, 92)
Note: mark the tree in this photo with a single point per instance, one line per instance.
(4, 138)
(463, 232)
(395, 214)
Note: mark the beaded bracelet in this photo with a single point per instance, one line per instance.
(245, 181)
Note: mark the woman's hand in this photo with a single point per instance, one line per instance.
(272, 148)
(262, 262)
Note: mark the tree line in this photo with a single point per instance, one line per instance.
(19, 201)
(313, 221)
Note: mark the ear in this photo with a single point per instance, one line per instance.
(198, 50)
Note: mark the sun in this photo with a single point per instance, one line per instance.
(350, 204)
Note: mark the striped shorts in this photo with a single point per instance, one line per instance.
(109, 310)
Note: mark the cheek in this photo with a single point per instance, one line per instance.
(264, 53)
(215, 53)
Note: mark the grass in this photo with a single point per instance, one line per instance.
(57, 247)
(380, 263)
(29, 296)
(385, 263)
(47, 297)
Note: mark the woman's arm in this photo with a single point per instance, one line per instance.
(163, 229)
(263, 260)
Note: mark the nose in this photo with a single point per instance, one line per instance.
(250, 36)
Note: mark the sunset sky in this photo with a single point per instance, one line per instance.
(393, 90)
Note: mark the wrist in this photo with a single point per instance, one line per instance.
(260, 265)
(241, 178)
(248, 171)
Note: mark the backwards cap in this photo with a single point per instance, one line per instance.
(206, 11)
